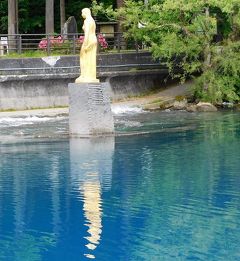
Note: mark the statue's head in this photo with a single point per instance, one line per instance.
(86, 12)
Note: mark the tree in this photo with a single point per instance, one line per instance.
(62, 13)
(120, 3)
(32, 16)
(12, 16)
(30, 13)
(193, 35)
(12, 23)
(49, 23)
(3, 16)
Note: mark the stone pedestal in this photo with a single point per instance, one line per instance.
(90, 110)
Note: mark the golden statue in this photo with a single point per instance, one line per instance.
(88, 53)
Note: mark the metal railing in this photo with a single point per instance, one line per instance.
(67, 44)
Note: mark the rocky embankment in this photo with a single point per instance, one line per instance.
(175, 104)
(176, 97)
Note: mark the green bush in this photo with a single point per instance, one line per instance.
(222, 81)
(189, 37)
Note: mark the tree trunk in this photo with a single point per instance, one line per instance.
(49, 16)
(120, 3)
(207, 51)
(62, 13)
(16, 17)
(12, 24)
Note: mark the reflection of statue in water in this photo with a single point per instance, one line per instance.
(91, 173)
(88, 51)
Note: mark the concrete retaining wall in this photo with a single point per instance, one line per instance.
(42, 82)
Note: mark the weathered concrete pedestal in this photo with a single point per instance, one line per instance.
(90, 110)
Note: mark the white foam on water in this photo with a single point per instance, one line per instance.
(124, 109)
(127, 123)
(14, 121)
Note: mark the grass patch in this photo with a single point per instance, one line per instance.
(28, 54)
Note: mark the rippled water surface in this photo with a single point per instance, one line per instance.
(166, 188)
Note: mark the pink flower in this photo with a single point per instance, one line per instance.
(53, 42)
(56, 41)
(81, 39)
(102, 41)
(59, 39)
(43, 44)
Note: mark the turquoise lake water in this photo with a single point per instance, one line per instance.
(167, 187)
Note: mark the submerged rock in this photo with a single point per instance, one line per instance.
(206, 107)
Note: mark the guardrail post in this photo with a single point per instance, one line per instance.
(74, 44)
(118, 42)
(12, 43)
(136, 46)
(48, 45)
(20, 44)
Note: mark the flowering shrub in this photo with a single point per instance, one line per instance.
(53, 42)
(81, 39)
(43, 44)
(59, 42)
(101, 40)
(56, 41)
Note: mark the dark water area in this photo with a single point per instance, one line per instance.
(166, 188)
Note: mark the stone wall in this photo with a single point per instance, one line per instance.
(42, 82)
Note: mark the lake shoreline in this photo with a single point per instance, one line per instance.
(174, 97)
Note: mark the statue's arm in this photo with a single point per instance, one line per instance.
(86, 42)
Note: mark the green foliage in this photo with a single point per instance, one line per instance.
(26, 54)
(222, 81)
(103, 10)
(32, 14)
(190, 36)
(3, 16)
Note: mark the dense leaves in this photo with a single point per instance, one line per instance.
(32, 14)
(196, 36)
(3, 16)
